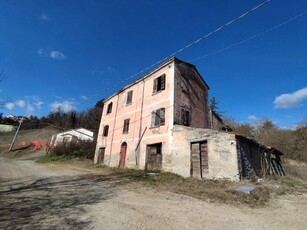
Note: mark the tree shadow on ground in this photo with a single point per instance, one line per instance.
(54, 202)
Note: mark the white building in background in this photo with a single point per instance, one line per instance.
(6, 128)
(80, 134)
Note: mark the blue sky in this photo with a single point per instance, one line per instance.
(71, 53)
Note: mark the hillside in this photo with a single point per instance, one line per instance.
(43, 135)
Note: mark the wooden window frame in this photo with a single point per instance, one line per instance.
(159, 83)
(109, 110)
(126, 126)
(185, 84)
(185, 117)
(158, 117)
(129, 97)
(105, 131)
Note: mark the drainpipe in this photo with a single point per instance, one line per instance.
(140, 130)
(113, 130)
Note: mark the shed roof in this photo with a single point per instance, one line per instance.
(270, 149)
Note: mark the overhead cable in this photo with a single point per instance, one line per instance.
(250, 38)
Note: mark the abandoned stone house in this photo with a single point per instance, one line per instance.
(162, 121)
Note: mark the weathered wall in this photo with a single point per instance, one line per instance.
(216, 123)
(249, 154)
(144, 102)
(191, 93)
(222, 153)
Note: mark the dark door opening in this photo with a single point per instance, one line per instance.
(122, 158)
(101, 155)
(154, 157)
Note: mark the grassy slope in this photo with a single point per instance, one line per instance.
(43, 135)
(27, 135)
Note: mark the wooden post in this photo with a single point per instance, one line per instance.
(20, 122)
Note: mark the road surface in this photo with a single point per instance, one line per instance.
(34, 196)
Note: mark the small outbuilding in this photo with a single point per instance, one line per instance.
(76, 135)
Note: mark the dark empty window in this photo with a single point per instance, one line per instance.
(158, 117)
(129, 97)
(185, 84)
(185, 117)
(109, 110)
(159, 84)
(105, 131)
(126, 126)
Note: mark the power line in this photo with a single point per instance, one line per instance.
(250, 38)
(189, 45)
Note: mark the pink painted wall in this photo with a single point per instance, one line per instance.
(144, 102)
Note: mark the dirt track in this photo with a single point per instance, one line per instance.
(34, 196)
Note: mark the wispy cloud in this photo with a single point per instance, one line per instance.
(41, 52)
(38, 104)
(57, 55)
(28, 105)
(30, 109)
(20, 103)
(44, 17)
(65, 106)
(290, 100)
(54, 54)
(84, 98)
(111, 69)
(9, 105)
(252, 118)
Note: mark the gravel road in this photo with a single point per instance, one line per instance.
(34, 196)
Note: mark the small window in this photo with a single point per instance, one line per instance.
(158, 117)
(109, 110)
(105, 131)
(129, 97)
(126, 126)
(159, 84)
(185, 86)
(185, 117)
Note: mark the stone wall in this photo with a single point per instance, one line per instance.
(222, 152)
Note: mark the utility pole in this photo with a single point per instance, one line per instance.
(20, 122)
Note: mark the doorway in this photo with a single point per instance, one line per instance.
(154, 157)
(122, 157)
(199, 159)
(101, 155)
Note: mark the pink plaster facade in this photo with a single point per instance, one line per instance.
(183, 99)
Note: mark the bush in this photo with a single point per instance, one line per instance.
(80, 149)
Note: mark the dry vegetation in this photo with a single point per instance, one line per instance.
(220, 191)
(213, 191)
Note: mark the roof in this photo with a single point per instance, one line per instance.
(217, 116)
(270, 149)
(171, 60)
(80, 130)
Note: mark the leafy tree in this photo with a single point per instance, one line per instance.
(213, 106)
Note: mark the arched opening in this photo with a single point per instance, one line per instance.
(123, 151)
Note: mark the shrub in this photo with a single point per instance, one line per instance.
(76, 149)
